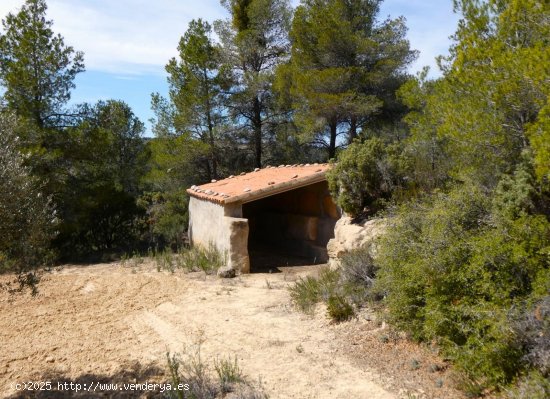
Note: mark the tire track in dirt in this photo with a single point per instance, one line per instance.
(98, 319)
(290, 353)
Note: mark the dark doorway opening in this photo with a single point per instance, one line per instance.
(291, 228)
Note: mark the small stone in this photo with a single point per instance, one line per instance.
(257, 170)
(295, 176)
(226, 272)
(242, 174)
(213, 181)
(246, 190)
(210, 192)
(230, 177)
(270, 183)
(369, 316)
(308, 164)
(281, 166)
(50, 359)
(319, 170)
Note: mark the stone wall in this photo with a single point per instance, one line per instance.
(237, 238)
(209, 225)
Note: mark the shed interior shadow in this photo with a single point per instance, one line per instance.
(291, 228)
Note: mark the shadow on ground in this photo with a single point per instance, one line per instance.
(265, 261)
(106, 386)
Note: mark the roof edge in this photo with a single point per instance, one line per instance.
(268, 191)
(277, 188)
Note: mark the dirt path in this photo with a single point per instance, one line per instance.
(104, 320)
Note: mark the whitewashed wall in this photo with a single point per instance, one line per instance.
(209, 225)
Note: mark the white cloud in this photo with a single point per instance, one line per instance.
(124, 36)
(132, 37)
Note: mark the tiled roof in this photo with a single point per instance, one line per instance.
(260, 183)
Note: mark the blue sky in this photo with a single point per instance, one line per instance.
(126, 43)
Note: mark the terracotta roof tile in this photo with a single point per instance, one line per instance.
(260, 183)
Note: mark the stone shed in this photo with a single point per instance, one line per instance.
(281, 212)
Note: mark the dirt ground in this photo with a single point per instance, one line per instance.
(109, 322)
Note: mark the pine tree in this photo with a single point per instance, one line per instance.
(196, 80)
(345, 65)
(491, 106)
(37, 69)
(254, 42)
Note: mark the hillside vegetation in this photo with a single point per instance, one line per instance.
(460, 165)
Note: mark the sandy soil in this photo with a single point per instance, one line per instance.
(109, 322)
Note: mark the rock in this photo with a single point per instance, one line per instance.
(226, 272)
(349, 236)
(369, 315)
(50, 359)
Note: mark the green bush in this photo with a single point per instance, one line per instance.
(339, 309)
(165, 260)
(532, 328)
(307, 292)
(193, 259)
(533, 386)
(328, 287)
(452, 268)
(167, 217)
(208, 260)
(190, 369)
(359, 267)
(358, 272)
(366, 174)
(328, 281)
(229, 373)
(27, 217)
(101, 219)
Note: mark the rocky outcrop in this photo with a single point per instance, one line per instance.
(349, 235)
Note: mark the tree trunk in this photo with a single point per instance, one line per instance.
(332, 145)
(213, 155)
(352, 129)
(257, 125)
